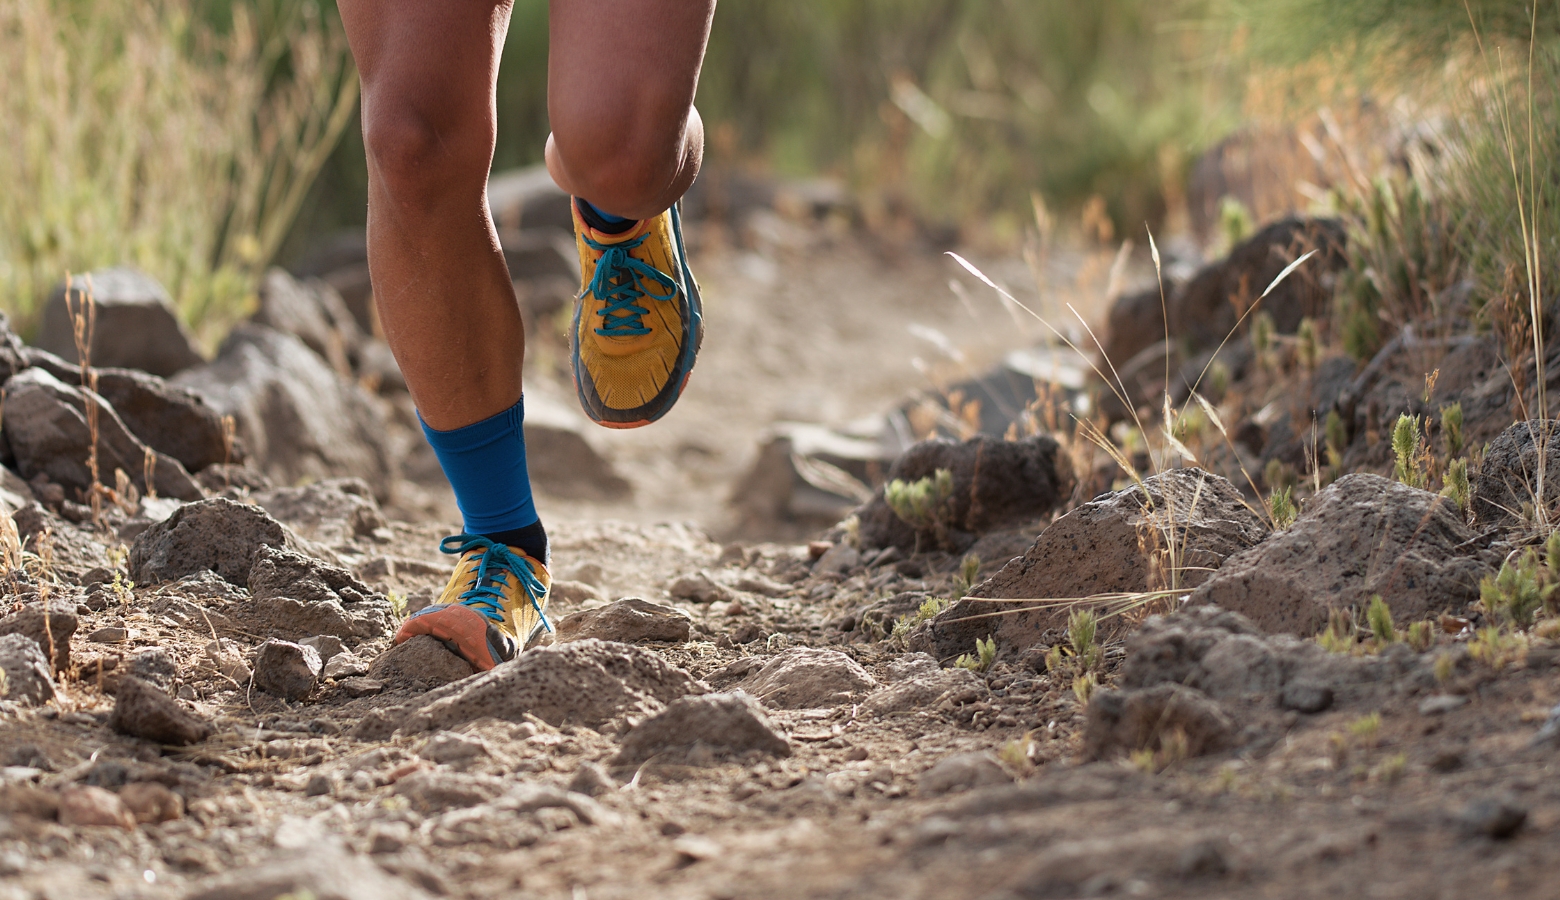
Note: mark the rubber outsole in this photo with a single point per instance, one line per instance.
(463, 630)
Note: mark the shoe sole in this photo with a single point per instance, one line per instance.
(663, 402)
(464, 631)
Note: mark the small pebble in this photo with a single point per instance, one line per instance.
(110, 634)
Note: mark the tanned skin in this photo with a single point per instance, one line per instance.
(625, 136)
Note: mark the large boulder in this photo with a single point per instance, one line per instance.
(1362, 536)
(134, 324)
(216, 534)
(311, 311)
(299, 418)
(997, 484)
(1172, 530)
(46, 430)
(1506, 487)
(294, 597)
(172, 420)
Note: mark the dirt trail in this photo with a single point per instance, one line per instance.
(899, 778)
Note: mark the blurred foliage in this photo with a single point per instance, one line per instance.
(171, 135)
(948, 109)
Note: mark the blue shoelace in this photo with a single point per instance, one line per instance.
(498, 562)
(620, 281)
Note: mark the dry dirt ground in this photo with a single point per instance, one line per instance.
(1428, 775)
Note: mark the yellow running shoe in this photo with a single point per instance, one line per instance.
(638, 322)
(493, 606)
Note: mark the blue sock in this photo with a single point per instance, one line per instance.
(485, 464)
(603, 221)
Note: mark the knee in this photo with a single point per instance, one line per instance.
(635, 176)
(420, 159)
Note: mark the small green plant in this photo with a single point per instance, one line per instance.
(397, 605)
(922, 504)
(1018, 754)
(968, 576)
(1444, 668)
(1262, 331)
(1379, 616)
(1279, 475)
(1307, 346)
(1452, 430)
(1083, 687)
(1518, 591)
(1337, 439)
(1405, 451)
(1552, 553)
(1455, 486)
(1391, 769)
(1282, 509)
(1235, 221)
(985, 655)
(1366, 729)
(1421, 636)
(1338, 636)
(1082, 631)
(927, 611)
(1493, 647)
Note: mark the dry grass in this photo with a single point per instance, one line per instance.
(138, 134)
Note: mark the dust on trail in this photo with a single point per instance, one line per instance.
(792, 746)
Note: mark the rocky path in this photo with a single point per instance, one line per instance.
(621, 763)
(201, 701)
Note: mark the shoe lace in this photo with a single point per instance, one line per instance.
(620, 282)
(497, 563)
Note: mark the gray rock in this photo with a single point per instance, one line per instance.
(997, 484)
(153, 665)
(435, 792)
(1437, 704)
(806, 678)
(299, 418)
(287, 670)
(134, 327)
(1306, 697)
(51, 631)
(327, 645)
(807, 475)
(311, 311)
(344, 665)
(560, 457)
(46, 429)
(1496, 817)
(628, 621)
(590, 683)
(216, 534)
(453, 748)
(1100, 548)
(333, 511)
(421, 663)
(701, 730)
(1507, 479)
(1121, 722)
(698, 587)
(325, 873)
(592, 780)
(172, 420)
(143, 710)
(922, 690)
(25, 669)
(294, 597)
(839, 560)
(1363, 535)
(961, 772)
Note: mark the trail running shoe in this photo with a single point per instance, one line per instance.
(493, 606)
(638, 322)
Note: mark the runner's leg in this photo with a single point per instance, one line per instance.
(621, 80)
